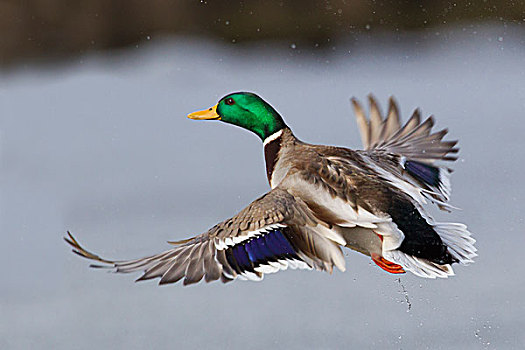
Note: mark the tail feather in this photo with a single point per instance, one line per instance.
(419, 267)
(460, 245)
(406, 156)
(458, 240)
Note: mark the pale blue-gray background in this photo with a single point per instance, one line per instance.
(101, 146)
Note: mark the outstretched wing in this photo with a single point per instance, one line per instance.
(409, 152)
(273, 233)
(414, 140)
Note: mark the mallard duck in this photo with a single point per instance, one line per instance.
(323, 198)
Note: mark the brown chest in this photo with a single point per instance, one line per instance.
(271, 156)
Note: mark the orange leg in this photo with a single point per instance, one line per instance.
(386, 265)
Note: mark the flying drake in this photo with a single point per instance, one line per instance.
(324, 198)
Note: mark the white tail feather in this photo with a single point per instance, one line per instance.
(458, 240)
(419, 267)
(460, 245)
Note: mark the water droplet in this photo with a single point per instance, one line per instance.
(293, 46)
(148, 37)
(500, 39)
(227, 23)
(367, 27)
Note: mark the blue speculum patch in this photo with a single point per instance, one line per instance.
(427, 173)
(259, 250)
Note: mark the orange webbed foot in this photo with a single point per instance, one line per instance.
(386, 265)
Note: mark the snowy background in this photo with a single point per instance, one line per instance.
(101, 146)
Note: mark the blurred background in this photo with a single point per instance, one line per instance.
(94, 139)
(48, 29)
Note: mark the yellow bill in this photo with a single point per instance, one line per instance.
(207, 114)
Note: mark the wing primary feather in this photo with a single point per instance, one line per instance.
(410, 124)
(211, 267)
(266, 244)
(177, 269)
(195, 269)
(362, 123)
(376, 121)
(392, 123)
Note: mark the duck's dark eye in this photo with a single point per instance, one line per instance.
(229, 101)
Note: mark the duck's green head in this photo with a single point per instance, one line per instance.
(246, 110)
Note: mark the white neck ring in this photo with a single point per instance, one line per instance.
(272, 137)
